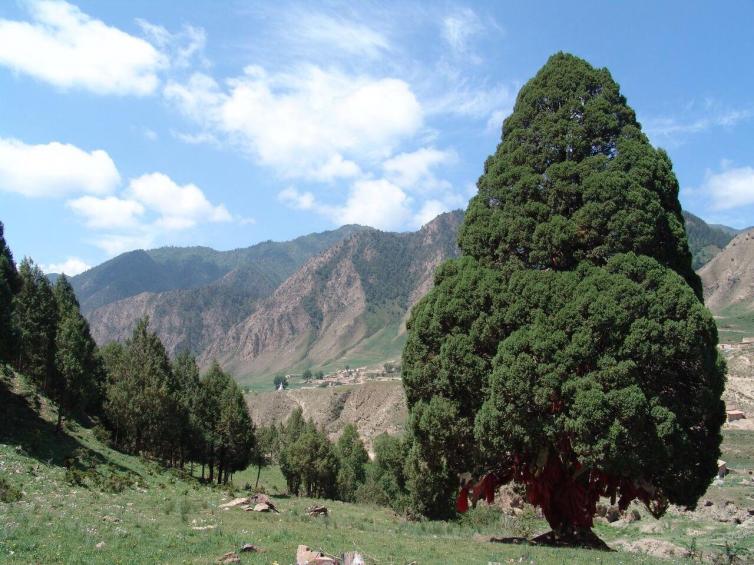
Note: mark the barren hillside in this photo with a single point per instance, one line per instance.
(374, 407)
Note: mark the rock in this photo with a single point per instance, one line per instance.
(307, 556)
(202, 528)
(708, 502)
(654, 548)
(230, 557)
(353, 558)
(111, 519)
(100, 545)
(316, 511)
(234, 502)
(650, 528)
(601, 510)
(262, 507)
(612, 514)
(250, 548)
(632, 516)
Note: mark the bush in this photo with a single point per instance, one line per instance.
(102, 434)
(8, 492)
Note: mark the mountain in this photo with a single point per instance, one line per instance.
(347, 305)
(706, 240)
(728, 281)
(176, 268)
(337, 297)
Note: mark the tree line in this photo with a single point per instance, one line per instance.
(148, 404)
(314, 466)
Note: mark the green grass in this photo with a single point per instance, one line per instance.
(735, 322)
(163, 516)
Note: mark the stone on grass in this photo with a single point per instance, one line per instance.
(250, 548)
(230, 557)
(307, 556)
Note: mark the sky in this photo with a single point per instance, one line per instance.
(132, 124)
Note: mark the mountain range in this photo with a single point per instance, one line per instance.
(320, 301)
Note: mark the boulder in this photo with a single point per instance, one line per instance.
(230, 557)
(235, 502)
(307, 556)
(250, 548)
(316, 511)
(612, 514)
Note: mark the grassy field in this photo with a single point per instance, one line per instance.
(735, 322)
(127, 510)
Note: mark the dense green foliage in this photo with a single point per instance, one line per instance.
(9, 285)
(36, 317)
(79, 368)
(167, 411)
(353, 458)
(568, 348)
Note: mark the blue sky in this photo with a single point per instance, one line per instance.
(135, 124)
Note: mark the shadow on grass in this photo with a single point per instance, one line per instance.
(585, 540)
(37, 437)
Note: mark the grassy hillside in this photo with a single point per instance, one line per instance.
(70, 499)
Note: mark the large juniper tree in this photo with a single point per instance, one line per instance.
(568, 348)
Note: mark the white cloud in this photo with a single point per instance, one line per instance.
(299, 122)
(114, 244)
(337, 167)
(344, 35)
(107, 213)
(69, 49)
(179, 207)
(732, 188)
(414, 170)
(71, 267)
(54, 169)
(459, 27)
(182, 48)
(376, 203)
(672, 129)
(298, 200)
(151, 206)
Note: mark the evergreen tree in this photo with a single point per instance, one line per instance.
(188, 380)
(9, 285)
(290, 432)
(226, 427)
(568, 348)
(36, 317)
(142, 397)
(352, 457)
(79, 370)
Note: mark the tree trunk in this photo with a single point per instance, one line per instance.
(59, 425)
(259, 472)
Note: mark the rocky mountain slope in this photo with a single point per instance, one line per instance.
(349, 303)
(729, 278)
(341, 296)
(374, 407)
(174, 268)
(729, 288)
